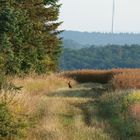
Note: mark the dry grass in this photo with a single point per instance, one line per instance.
(60, 118)
(69, 114)
(41, 85)
(84, 76)
(126, 79)
(118, 78)
(65, 121)
(29, 105)
(34, 89)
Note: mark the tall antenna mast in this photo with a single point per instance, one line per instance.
(113, 15)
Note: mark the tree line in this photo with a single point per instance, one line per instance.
(29, 40)
(107, 57)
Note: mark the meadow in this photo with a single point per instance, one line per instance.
(102, 105)
(118, 78)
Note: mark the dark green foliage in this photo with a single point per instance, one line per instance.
(110, 56)
(8, 126)
(11, 126)
(115, 108)
(28, 36)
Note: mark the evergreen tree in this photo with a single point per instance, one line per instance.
(28, 35)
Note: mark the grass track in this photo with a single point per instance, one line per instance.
(74, 114)
(71, 115)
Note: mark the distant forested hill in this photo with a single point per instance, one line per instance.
(85, 38)
(110, 56)
(71, 44)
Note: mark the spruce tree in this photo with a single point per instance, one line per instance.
(43, 15)
(28, 36)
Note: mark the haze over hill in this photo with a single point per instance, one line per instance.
(78, 39)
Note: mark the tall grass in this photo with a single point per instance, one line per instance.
(84, 76)
(126, 79)
(41, 85)
(118, 78)
(65, 121)
(23, 110)
(121, 110)
(12, 124)
(37, 115)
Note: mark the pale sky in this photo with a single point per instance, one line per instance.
(96, 15)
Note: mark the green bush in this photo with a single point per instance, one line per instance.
(115, 107)
(8, 126)
(2, 80)
(11, 125)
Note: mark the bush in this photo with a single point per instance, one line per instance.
(8, 127)
(11, 124)
(116, 107)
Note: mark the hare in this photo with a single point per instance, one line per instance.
(69, 84)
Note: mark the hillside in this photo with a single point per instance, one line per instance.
(67, 43)
(86, 38)
(110, 56)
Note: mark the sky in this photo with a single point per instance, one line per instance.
(96, 15)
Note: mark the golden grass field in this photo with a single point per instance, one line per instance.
(119, 78)
(88, 111)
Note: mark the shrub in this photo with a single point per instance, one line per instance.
(8, 125)
(116, 107)
(11, 124)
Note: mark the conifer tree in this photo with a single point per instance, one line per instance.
(28, 35)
